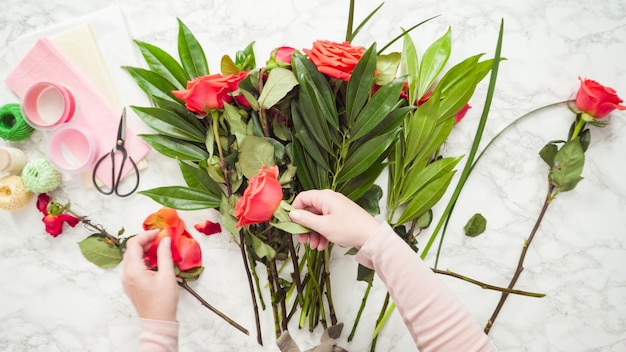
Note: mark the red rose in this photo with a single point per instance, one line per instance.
(597, 100)
(54, 216)
(186, 252)
(210, 92)
(336, 60)
(260, 199)
(280, 57)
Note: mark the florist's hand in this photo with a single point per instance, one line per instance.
(153, 293)
(333, 217)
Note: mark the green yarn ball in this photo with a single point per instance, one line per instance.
(12, 125)
(39, 176)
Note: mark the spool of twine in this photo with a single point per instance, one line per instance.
(40, 176)
(13, 127)
(13, 195)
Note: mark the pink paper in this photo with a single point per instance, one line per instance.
(44, 63)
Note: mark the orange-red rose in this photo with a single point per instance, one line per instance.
(210, 92)
(186, 252)
(260, 199)
(596, 99)
(336, 60)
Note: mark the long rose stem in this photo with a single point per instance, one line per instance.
(520, 263)
(487, 286)
(296, 271)
(244, 257)
(88, 223)
(184, 285)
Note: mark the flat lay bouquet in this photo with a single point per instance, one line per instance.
(249, 137)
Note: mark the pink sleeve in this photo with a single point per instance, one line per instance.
(158, 335)
(435, 317)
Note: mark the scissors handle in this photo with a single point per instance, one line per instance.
(115, 181)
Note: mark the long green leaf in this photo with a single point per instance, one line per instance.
(420, 177)
(175, 148)
(197, 178)
(426, 198)
(169, 124)
(163, 63)
(470, 159)
(307, 141)
(568, 166)
(351, 36)
(191, 53)
(410, 67)
(152, 83)
(183, 198)
(182, 112)
(362, 158)
(356, 187)
(360, 84)
(435, 58)
(379, 107)
(404, 32)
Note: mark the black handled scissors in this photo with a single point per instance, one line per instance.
(116, 173)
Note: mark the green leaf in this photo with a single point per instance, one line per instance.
(182, 112)
(351, 34)
(228, 67)
(291, 227)
(280, 81)
(361, 159)
(237, 127)
(101, 251)
(387, 68)
(261, 249)
(410, 67)
(365, 274)
(356, 187)
(382, 103)
(191, 274)
(169, 124)
(426, 198)
(175, 148)
(568, 166)
(435, 58)
(183, 198)
(254, 153)
(360, 84)
(152, 83)
(548, 152)
(371, 199)
(191, 53)
(475, 226)
(419, 178)
(198, 178)
(163, 63)
(307, 141)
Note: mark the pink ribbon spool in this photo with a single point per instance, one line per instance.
(72, 149)
(48, 105)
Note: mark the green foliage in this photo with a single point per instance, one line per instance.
(101, 251)
(475, 226)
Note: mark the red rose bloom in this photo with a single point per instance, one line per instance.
(597, 100)
(54, 218)
(260, 199)
(206, 93)
(186, 252)
(336, 60)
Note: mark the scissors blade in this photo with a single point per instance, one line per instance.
(121, 129)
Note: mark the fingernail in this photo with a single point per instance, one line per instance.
(294, 215)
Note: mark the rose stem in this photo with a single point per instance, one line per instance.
(329, 295)
(358, 315)
(270, 280)
(520, 263)
(296, 271)
(487, 286)
(380, 316)
(184, 285)
(88, 223)
(257, 321)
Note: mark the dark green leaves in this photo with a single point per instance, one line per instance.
(568, 166)
(475, 226)
(183, 198)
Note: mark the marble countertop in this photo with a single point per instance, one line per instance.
(51, 299)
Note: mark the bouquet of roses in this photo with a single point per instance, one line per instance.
(334, 116)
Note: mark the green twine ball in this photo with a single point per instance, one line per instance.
(40, 176)
(12, 125)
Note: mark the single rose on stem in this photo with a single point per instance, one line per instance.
(260, 199)
(280, 57)
(336, 60)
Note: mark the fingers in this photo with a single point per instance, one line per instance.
(314, 199)
(164, 257)
(135, 249)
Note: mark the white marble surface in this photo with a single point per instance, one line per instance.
(51, 299)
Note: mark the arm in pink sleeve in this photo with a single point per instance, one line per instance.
(158, 335)
(435, 317)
